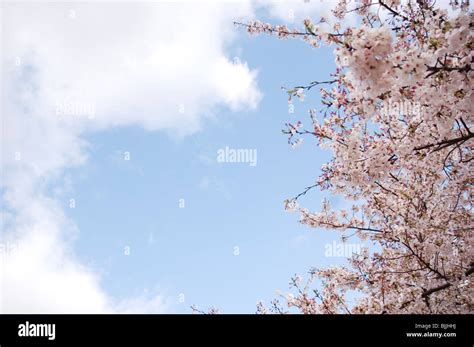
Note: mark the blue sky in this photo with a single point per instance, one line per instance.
(190, 250)
(135, 203)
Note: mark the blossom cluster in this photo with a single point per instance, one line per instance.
(409, 174)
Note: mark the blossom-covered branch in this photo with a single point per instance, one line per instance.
(397, 116)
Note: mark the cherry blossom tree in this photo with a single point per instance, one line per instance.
(398, 119)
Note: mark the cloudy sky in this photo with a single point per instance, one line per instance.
(112, 197)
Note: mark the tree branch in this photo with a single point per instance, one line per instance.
(395, 13)
(446, 285)
(446, 143)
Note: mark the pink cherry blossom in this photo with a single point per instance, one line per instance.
(398, 118)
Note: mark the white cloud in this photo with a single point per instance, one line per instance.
(142, 304)
(294, 11)
(68, 69)
(41, 275)
(135, 63)
(237, 93)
